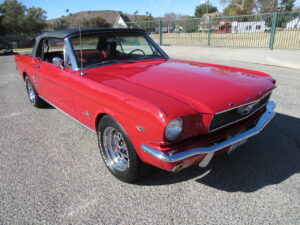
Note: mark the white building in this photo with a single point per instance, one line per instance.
(294, 23)
(121, 22)
(249, 27)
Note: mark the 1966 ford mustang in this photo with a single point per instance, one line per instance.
(145, 107)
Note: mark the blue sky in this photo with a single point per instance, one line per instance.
(56, 8)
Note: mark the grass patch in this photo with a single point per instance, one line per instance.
(285, 39)
(22, 49)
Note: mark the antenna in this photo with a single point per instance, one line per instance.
(81, 62)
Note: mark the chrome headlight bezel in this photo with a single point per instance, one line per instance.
(174, 129)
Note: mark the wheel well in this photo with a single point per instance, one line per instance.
(24, 75)
(99, 117)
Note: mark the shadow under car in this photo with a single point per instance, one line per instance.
(268, 158)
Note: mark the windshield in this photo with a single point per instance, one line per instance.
(97, 49)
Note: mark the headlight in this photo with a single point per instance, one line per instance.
(173, 129)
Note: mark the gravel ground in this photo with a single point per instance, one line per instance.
(51, 171)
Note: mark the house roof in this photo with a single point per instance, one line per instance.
(125, 18)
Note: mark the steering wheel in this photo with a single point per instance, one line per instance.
(135, 50)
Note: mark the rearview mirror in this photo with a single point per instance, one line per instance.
(58, 62)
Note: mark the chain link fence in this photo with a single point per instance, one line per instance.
(269, 30)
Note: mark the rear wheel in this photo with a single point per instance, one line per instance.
(117, 151)
(33, 96)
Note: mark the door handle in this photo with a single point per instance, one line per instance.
(37, 66)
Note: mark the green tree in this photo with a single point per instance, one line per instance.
(239, 7)
(148, 17)
(205, 8)
(135, 14)
(13, 18)
(286, 5)
(1, 26)
(60, 24)
(35, 20)
(95, 22)
(267, 6)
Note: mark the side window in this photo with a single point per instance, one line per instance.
(39, 52)
(138, 45)
(55, 45)
(67, 61)
(87, 43)
(52, 48)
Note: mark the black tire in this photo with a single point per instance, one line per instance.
(33, 96)
(135, 168)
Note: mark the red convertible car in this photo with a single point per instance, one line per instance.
(145, 107)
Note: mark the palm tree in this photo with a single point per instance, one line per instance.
(135, 13)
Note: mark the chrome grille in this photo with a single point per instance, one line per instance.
(230, 116)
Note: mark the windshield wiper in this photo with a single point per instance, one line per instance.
(104, 62)
(126, 61)
(143, 57)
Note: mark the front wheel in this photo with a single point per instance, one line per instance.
(117, 151)
(33, 96)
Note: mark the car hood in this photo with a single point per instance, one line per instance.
(208, 88)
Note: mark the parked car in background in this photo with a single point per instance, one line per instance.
(7, 51)
(146, 108)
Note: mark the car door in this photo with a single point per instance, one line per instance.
(83, 90)
(52, 79)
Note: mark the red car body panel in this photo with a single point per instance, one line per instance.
(151, 93)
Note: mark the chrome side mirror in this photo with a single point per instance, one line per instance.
(58, 62)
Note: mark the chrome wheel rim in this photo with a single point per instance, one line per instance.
(115, 149)
(30, 91)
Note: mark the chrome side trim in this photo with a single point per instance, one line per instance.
(94, 132)
(262, 122)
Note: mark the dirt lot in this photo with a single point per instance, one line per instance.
(51, 171)
(285, 39)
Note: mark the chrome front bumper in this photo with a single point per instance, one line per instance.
(262, 122)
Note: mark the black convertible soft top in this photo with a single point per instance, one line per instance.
(70, 32)
(73, 32)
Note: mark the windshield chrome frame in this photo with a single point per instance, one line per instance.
(71, 55)
(71, 52)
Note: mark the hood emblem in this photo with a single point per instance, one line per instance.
(246, 109)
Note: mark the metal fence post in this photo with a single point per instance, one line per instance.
(160, 32)
(209, 32)
(273, 31)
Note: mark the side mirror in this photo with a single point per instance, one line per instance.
(58, 62)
